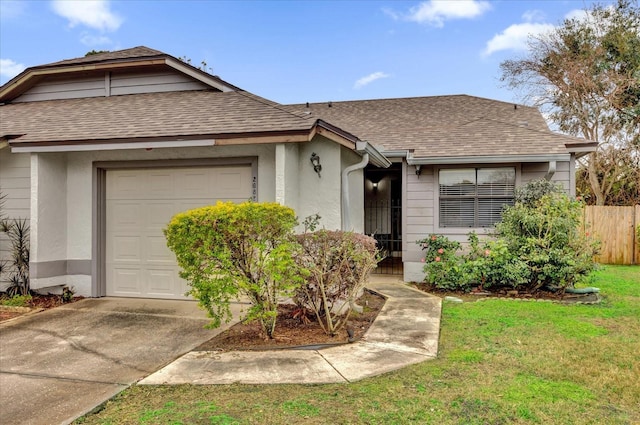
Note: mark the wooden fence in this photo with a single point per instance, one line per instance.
(616, 229)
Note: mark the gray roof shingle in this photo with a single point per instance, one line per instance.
(139, 52)
(168, 114)
(444, 126)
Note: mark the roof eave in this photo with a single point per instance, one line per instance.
(486, 159)
(375, 156)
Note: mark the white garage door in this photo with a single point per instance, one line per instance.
(139, 205)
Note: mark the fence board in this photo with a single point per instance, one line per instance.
(637, 235)
(615, 227)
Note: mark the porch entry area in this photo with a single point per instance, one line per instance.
(383, 215)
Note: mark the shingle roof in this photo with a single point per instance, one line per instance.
(444, 126)
(168, 114)
(132, 53)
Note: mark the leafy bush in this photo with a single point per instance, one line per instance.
(492, 264)
(443, 267)
(339, 264)
(231, 250)
(546, 235)
(538, 244)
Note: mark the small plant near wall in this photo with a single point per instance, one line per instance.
(232, 250)
(339, 264)
(443, 267)
(15, 269)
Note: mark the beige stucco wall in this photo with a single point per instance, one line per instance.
(62, 196)
(320, 194)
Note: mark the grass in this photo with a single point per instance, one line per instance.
(16, 301)
(500, 362)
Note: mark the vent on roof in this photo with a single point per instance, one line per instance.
(523, 123)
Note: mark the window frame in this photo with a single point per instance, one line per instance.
(475, 197)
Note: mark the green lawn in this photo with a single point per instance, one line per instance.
(500, 362)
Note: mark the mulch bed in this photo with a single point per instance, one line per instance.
(478, 294)
(37, 302)
(294, 331)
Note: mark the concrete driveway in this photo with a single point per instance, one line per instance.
(59, 364)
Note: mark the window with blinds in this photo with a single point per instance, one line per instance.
(475, 197)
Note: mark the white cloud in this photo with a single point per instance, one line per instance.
(92, 40)
(9, 68)
(369, 79)
(515, 37)
(94, 14)
(436, 12)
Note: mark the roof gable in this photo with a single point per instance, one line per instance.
(138, 59)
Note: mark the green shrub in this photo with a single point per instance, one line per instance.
(546, 235)
(339, 264)
(443, 267)
(539, 243)
(231, 250)
(491, 264)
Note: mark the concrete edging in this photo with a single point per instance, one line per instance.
(405, 332)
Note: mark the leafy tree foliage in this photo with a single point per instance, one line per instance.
(618, 168)
(231, 250)
(586, 75)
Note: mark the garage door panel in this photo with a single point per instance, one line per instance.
(229, 183)
(160, 185)
(140, 204)
(125, 282)
(158, 252)
(126, 214)
(161, 282)
(194, 183)
(125, 186)
(158, 214)
(126, 249)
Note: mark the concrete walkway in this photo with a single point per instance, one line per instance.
(405, 332)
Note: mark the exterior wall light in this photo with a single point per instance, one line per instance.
(315, 161)
(375, 186)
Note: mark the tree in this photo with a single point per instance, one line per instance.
(586, 74)
(619, 170)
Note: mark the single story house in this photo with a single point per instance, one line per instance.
(99, 152)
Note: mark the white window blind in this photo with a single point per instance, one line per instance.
(475, 197)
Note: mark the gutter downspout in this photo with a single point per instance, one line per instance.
(346, 204)
(552, 170)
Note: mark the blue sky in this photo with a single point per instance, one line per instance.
(296, 51)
